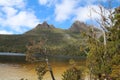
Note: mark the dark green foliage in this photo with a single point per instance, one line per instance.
(103, 59)
(56, 40)
(41, 70)
(59, 41)
(72, 74)
(14, 43)
(115, 45)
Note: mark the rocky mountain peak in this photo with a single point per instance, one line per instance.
(78, 26)
(44, 25)
(40, 27)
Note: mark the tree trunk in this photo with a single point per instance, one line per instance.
(50, 69)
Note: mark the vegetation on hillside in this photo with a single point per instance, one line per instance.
(59, 41)
(103, 57)
(102, 54)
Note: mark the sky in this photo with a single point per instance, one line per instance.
(19, 16)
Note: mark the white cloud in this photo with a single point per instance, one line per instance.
(86, 13)
(22, 19)
(5, 32)
(64, 10)
(91, 13)
(72, 9)
(12, 3)
(15, 16)
(9, 11)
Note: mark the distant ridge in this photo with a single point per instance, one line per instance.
(39, 27)
(44, 25)
(78, 26)
(59, 41)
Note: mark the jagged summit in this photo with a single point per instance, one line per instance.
(78, 26)
(58, 40)
(44, 25)
(41, 28)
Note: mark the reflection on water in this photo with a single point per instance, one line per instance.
(16, 71)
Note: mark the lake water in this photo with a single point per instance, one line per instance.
(17, 70)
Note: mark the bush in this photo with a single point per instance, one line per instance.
(72, 74)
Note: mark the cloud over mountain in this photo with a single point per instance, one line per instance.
(18, 16)
(15, 16)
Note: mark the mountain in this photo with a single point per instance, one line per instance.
(78, 26)
(59, 41)
(40, 27)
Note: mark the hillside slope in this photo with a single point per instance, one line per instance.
(59, 41)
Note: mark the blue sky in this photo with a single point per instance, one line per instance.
(19, 16)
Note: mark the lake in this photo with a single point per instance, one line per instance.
(16, 70)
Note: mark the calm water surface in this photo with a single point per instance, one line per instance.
(16, 71)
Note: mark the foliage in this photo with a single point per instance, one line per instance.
(72, 74)
(59, 41)
(115, 40)
(115, 72)
(31, 56)
(41, 70)
(34, 50)
(104, 56)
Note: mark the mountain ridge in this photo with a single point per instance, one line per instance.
(77, 26)
(59, 41)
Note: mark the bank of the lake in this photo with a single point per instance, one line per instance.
(21, 57)
(15, 69)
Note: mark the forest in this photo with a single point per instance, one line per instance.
(102, 54)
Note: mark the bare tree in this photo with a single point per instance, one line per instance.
(31, 56)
